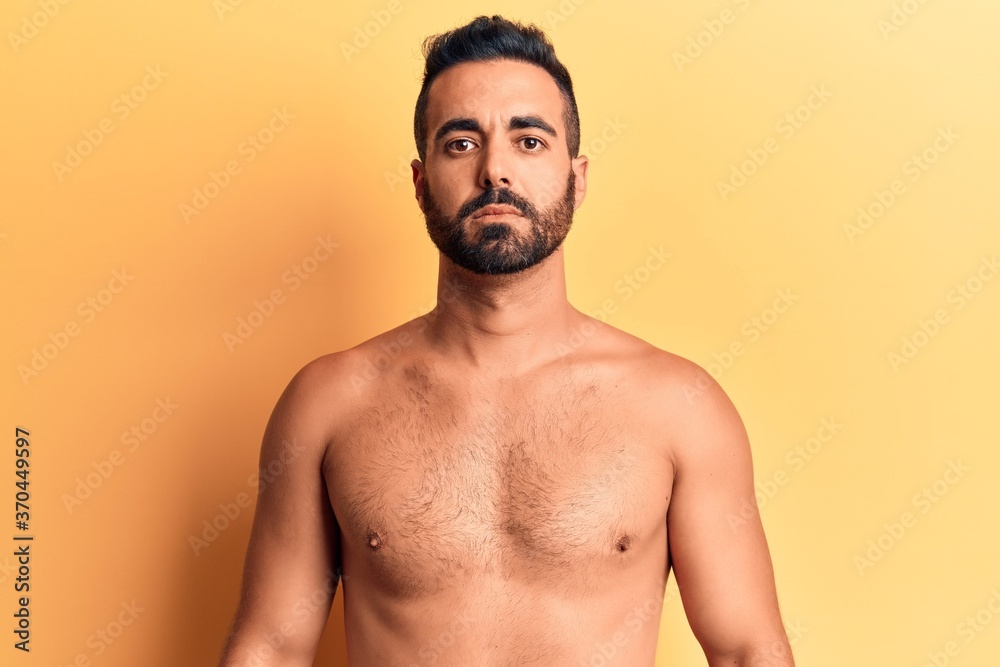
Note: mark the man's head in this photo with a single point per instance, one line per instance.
(496, 125)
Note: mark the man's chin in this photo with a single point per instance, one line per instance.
(495, 231)
(504, 263)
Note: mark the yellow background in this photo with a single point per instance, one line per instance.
(333, 170)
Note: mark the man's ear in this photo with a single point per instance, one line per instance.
(579, 166)
(419, 179)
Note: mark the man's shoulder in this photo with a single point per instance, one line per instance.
(666, 373)
(323, 375)
(675, 398)
(321, 398)
(679, 390)
(332, 376)
(701, 419)
(347, 375)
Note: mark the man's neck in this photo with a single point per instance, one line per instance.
(510, 323)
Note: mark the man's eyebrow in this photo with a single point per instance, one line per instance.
(524, 122)
(516, 123)
(465, 124)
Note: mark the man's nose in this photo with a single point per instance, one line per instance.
(495, 170)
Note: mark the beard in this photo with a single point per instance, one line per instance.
(501, 248)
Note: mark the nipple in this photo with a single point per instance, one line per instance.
(374, 539)
(623, 544)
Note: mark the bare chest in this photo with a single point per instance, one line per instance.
(435, 486)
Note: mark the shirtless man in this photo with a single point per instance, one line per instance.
(504, 481)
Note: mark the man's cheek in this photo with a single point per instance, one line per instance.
(551, 191)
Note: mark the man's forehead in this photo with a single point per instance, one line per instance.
(504, 87)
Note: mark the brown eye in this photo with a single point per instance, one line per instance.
(531, 143)
(466, 145)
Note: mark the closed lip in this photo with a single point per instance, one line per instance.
(496, 209)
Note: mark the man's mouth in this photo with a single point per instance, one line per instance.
(496, 209)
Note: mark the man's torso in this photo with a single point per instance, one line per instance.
(503, 521)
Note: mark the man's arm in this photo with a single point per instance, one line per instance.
(290, 575)
(717, 544)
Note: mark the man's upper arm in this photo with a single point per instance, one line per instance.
(290, 574)
(717, 544)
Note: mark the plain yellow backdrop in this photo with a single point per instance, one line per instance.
(201, 196)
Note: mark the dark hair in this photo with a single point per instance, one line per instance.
(494, 38)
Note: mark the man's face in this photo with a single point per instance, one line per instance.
(498, 189)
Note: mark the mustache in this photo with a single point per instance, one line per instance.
(498, 196)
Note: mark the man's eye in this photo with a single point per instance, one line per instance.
(461, 145)
(531, 143)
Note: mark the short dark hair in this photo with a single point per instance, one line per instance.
(494, 38)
